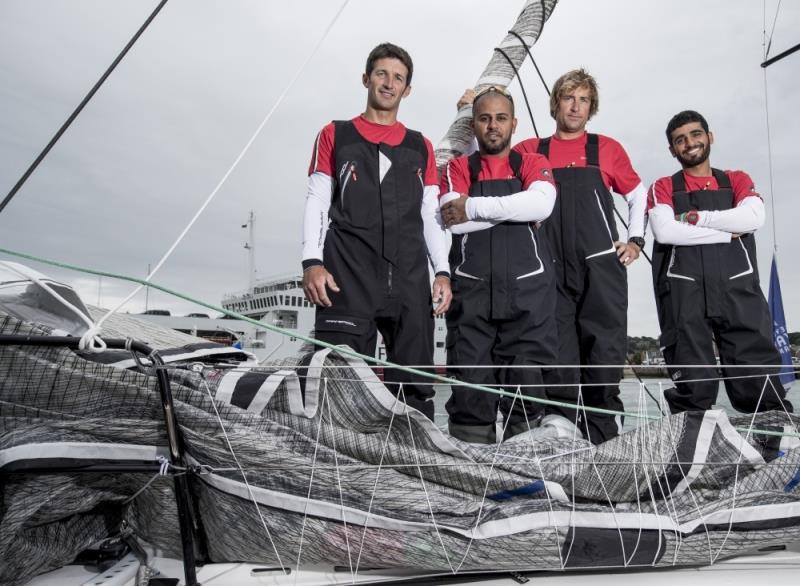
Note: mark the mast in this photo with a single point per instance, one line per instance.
(250, 246)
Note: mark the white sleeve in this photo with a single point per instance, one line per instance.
(667, 230)
(637, 211)
(465, 227)
(472, 226)
(435, 237)
(748, 216)
(532, 205)
(315, 217)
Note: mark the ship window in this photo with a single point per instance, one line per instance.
(280, 297)
(440, 344)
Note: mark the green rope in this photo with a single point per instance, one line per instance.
(345, 350)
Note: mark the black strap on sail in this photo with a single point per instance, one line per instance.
(78, 109)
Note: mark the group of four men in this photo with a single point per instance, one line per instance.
(534, 285)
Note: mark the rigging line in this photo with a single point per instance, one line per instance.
(521, 86)
(625, 225)
(772, 31)
(232, 167)
(528, 49)
(773, 201)
(79, 108)
(344, 351)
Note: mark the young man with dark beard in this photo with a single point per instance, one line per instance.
(503, 288)
(590, 259)
(370, 226)
(706, 279)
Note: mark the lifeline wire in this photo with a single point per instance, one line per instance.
(346, 351)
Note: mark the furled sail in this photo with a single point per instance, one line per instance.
(499, 71)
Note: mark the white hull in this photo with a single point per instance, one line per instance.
(775, 566)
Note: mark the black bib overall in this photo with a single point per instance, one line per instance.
(709, 294)
(375, 250)
(592, 300)
(502, 314)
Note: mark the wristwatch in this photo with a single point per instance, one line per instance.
(638, 241)
(692, 216)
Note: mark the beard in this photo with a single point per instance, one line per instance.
(497, 147)
(695, 160)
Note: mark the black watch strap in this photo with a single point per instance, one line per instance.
(638, 241)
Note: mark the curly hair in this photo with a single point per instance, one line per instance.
(568, 83)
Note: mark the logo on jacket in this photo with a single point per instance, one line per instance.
(341, 322)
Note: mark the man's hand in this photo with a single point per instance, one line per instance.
(454, 212)
(466, 99)
(442, 294)
(627, 252)
(315, 279)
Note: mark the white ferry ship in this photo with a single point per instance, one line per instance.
(278, 301)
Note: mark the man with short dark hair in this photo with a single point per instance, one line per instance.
(370, 226)
(706, 278)
(504, 293)
(590, 260)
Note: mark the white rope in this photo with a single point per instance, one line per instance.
(241, 470)
(91, 337)
(163, 470)
(339, 485)
(401, 393)
(485, 489)
(310, 481)
(375, 484)
(227, 174)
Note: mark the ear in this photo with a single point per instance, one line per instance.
(406, 91)
(513, 126)
(710, 138)
(365, 79)
(672, 151)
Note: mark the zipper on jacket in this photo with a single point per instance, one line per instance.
(351, 172)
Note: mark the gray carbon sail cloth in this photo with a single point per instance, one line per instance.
(350, 475)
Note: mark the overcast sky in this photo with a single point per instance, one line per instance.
(166, 126)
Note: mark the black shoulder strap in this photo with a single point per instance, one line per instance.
(592, 150)
(415, 140)
(344, 133)
(544, 147)
(678, 183)
(723, 181)
(474, 166)
(515, 161)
